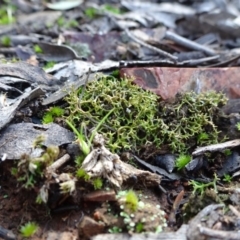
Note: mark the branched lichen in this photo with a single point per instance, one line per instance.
(139, 117)
(133, 121)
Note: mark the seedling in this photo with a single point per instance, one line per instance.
(49, 65)
(227, 152)
(6, 41)
(238, 126)
(81, 173)
(51, 114)
(90, 12)
(6, 15)
(85, 144)
(28, 229)
(182, 161)
(131, 200)
(202, 137)
(37, 49)
(97, 183)
(227, 178)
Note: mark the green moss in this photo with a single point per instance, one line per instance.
(182, 161)
(97, 183)
(51, 114)
(132, 122)
(6, 14)
(131, 200)
(6, 41)
(139, 119)
(37, 49)
(81, 173)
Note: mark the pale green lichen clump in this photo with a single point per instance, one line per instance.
(139, 118)
(134, 119)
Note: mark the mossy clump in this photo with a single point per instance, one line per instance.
(139, 117)
(190, 120)
(134, 120)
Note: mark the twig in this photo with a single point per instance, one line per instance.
(57, 164)
(216, 147)
(188, 43)
(161, 52)
(218, 233)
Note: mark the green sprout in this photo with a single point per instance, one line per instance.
(28, 229)
(182, 161)
(227, 178)
(202, 137)
(139, 227)
(97, 183)
(49, 64)
(238, 126)
(60, 21)
(110, 8)
(79, 160)
(37, 49)
(6, 15)
(51, 114)
(81, 173)
(201, 187)
(30, 169)
(131, 200)
(84, 143)
(115, 229)
(6, 41)
(227, 152)
(90, 12)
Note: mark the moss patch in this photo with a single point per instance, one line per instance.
(140, 118)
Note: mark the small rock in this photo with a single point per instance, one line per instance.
(89, 227)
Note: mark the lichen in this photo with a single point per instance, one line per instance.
(139, 117)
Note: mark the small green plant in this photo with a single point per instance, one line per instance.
(28, 229)
(37, 49)
(79, 160)
(97, 183)
(201, 187)
(91, 12)
(30, 169)
(202, 137)
(60, 21)
(81, 173)
(51, 114)
(115, 229)
(238, 126)
(6, 41)
(6, 14)
(139, 227)
(182, 161)
(84, 143)
(112, 9)
(227, 178)
(49, 65)
(131, 200)
(227, 152)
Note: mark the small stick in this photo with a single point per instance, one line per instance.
(219, 234)
(161, 52)
(188, 43)
(57, 164)
(216, 147)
